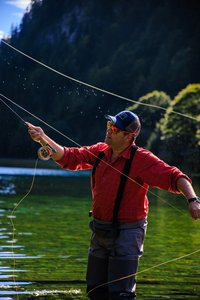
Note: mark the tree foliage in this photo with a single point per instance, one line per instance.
(151, 108)
(181, 137)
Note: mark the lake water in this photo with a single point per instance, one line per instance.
(44, 241)
(15, 180)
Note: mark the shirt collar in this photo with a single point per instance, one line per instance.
(125, 153)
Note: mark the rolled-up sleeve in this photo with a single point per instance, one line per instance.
(82, 158)
(156, 173)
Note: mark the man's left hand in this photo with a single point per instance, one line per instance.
(194, 208)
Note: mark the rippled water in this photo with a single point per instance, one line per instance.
(24, 257)
(43, 244)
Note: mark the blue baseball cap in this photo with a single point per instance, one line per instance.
(127, 121)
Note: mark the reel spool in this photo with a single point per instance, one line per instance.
(45, 152)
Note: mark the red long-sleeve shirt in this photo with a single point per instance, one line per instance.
(146, 170)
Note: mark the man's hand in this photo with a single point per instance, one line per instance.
(36, 133)
(187, 190)
(194, 208)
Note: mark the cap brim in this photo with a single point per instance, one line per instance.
(111, 118)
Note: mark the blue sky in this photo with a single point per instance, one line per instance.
(11, 13)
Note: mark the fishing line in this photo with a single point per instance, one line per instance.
(97, 88)
(121, 278)
(112, 94)
(90, 153)
(12, 216)
(73, 141)
(143, 271)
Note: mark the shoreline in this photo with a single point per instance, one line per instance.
(48, 164)
(28, 163)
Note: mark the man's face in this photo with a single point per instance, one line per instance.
(115, 138)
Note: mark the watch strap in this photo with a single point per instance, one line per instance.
(194, 199)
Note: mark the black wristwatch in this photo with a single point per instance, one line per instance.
(195, 199)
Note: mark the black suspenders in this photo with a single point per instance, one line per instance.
(123, 180)
(99, 158)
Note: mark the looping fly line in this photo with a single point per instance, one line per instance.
(112, 94)
(96, 88)
(118, 279)
(77, 144)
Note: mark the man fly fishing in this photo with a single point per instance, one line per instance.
(122, 174)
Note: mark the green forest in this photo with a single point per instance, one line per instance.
(138, 55)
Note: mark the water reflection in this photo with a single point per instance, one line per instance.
(53, 222)
(9, 252)
(7, 186)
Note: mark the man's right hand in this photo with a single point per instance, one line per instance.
(36, 133)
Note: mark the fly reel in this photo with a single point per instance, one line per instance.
(45, 152)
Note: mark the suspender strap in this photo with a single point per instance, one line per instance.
(99, 158)
(123, 180)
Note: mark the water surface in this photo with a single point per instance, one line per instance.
(44, 242)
